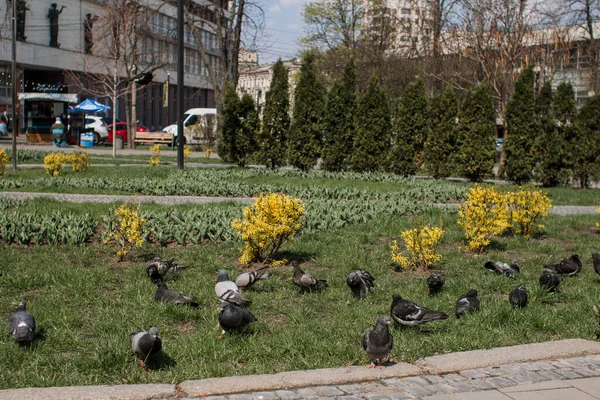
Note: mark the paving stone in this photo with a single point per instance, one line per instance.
(441, 389)
(265, 395)
(580, 361)
(500, 382)
(471, 374)
(482, 384)
(350, 398)
(328, 391)
(396, 382)
(490, 371)
(435, 379)
(287, 394)
(462, 386)
(418, 391)
(522, 378)
(376, 396)
(556, 394)
(551, 375)
(374, 387)
(214, 398)
(586, 372)
(351, 388)
(511, 369)
(454, 378)
(400, 395)
(240, 397)
(567, 373)
(562, 364)
(415, 380)
(544, 365)
(307, 393)
(529, 366)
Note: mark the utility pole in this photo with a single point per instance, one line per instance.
(114, 111)
(15, 113)
(133, 124)
(179, 109)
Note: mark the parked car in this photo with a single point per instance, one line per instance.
(122, 131)
(99, 126)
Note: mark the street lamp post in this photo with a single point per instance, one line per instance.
(15, 114)
(179, 109)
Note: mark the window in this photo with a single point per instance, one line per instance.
(406, 11)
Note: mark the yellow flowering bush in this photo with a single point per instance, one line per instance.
(80, 161)
(208, 151)
(155, 159)
(126, 228)
(3, 161)
(271, 221)
(422, 243)
(483, 215)
(187, 150)
(53, 163)
(598, 221)
(526, 206)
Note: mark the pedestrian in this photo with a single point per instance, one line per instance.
(58, 133)
(4, 120)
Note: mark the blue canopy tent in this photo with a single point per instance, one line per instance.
(77, 125)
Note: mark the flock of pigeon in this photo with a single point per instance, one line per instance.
(377, 342)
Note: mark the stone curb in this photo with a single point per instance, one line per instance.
(112, 392)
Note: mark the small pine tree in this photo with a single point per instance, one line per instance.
(565, 112)
(475, 140)
(338, 133)
(412, 130)
(373, 129)
(440, 147)
(305, 134)
(523, 129)
(247, 143)
(586, 143)
(276, 119)
(227, 146)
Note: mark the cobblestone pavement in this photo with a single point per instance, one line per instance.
(425, 386)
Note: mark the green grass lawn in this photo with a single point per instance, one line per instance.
(86, 304)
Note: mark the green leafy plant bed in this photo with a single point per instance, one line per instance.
(86, 303)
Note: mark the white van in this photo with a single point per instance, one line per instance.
(190, 117)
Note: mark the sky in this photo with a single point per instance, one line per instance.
(284, 27)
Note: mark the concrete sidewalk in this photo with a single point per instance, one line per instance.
(566, 369)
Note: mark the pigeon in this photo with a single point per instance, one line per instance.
(567, 266)
(233, 317)
(550, 280)
(164, 294)
(227, 290)
(518, 297)
(305, 281)
(145, 344)
(247, 279)
(596, 258)
(409, 313)
(21, 324)
(467, 303)
(378, 342)
(360, 282)
(503, 268)
(435, 281)
(159, 268)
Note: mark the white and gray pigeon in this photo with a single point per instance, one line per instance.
(247, 279)
(145, 344)
(21, 324)
(305, 281)
(233, 317)
(166, 295)
(435, 282)
(567, 266)
(409, 313)
(503, 268)
(378, 342)
(158, 269)
(227, 290)
(360, 282)
(467, 303)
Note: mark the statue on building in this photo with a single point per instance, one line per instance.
(22, 8)
(88, 35)
(53, 13)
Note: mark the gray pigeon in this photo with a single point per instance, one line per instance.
(550, 280)
(305, 281)
(378, 342)
(165, 295)
(435, 281)
(233, 317)
(409, 313)
(567, 266)
(596, 259)
(467, 303)
(518, 297)
(360, 282)
(158, 269)
(247, 279)
(21, 324)
(145, 344)
(503, 268)
(227, 290)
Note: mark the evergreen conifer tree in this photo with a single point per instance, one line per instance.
(227, 146)
(440, 147)
(249, 127)
(586, 149)
(276, 119)
(476, 153)
(306, 130)
(373, 129)
(564, 108)
(523, 128)
(338, 132)
(411, 131)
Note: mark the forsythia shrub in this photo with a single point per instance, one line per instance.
(422, 243)
(53, 163)
(208, 151)
(126, 228)
(483, 215)
(80, 161)
(526, 206)
(3, 162)
(155, 159)
(271, 221)
(187, 150)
